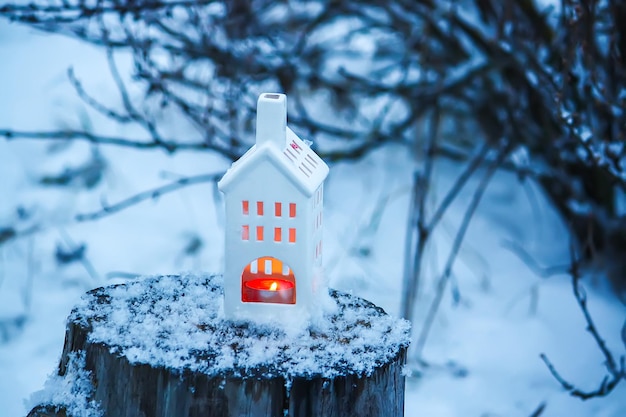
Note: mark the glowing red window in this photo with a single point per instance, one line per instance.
(259, 233)
(278, 234)
(278, 209)
(292, 235)
(245, 232)
(245, 207)
(259, 208)
(292, 209)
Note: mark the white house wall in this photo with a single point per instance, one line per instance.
(263, 182)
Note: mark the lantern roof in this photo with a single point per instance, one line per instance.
(282, 147)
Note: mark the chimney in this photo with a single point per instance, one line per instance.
(271, 119)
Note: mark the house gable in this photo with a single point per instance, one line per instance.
(296, 161)
(263, 180)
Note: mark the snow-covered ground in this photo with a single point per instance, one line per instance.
(483, 352)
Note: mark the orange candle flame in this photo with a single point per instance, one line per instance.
(274, 286)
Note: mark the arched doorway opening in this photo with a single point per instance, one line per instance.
(268, 280)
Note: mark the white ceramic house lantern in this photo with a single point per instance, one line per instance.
(274, 200)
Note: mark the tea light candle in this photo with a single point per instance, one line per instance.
(269, 290)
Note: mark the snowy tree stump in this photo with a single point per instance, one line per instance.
(159, 347)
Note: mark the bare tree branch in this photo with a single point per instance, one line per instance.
(168, 146)
(94, 103)
(510, 73)
(148, 195)
(616, 371)
(456, 245)
(532, 263)
(417, 231)
(70, 12)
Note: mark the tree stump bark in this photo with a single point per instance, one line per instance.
(160, 348)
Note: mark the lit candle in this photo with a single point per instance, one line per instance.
(269, 290)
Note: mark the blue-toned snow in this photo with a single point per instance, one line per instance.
(71, 391)
(177, 322)
(483, 352)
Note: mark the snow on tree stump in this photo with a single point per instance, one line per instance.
(160, 347)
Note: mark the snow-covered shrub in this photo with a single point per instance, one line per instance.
(543, 87)
(547, 80)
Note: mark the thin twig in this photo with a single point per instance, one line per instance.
(169, 146)
(616, 371)
(147, 195)
(27, 294)
(459, 184)
(83, 11)
(2, 265)
(424, 228)
(411, 246)
(532, 263)
(539, 410)
(93, 103)
(417, 232)
(11, 233)
(458, 240)
(72, 246)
